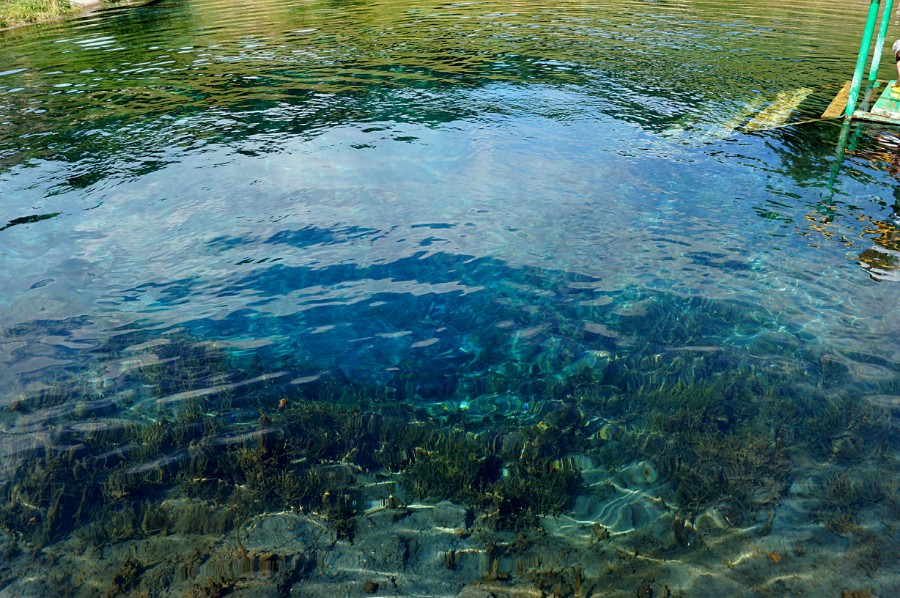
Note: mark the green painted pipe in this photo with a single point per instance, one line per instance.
(879, 41)
(861, 58)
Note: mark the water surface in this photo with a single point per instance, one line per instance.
(548, 238)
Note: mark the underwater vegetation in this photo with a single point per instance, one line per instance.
(197, 438)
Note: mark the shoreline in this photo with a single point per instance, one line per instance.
(20, 13)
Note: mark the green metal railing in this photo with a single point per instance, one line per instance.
(879, 42)
(864, 46)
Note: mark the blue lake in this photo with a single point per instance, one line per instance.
(288, 288)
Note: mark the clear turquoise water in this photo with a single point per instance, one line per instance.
(473, 215)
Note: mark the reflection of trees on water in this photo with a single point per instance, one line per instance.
(882, 259)
(824, 205)
(305, 68)
(187, 75)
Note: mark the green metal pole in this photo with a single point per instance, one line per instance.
(879, 41)
(861, 58)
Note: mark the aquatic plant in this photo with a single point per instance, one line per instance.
(215, 438)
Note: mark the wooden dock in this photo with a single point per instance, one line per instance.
(888, 104)
(885, 109)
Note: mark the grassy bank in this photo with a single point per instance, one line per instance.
(21, 12)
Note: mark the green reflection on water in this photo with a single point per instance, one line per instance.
(101, 86)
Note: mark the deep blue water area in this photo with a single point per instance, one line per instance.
(542, 262)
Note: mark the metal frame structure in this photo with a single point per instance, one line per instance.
(883, 113)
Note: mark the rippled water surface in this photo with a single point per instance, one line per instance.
(340, 261)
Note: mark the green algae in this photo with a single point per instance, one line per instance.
(206, 450)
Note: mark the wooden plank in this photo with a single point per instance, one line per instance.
(777, 113)
(703, 132)
(836, 107)
(868, 116)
